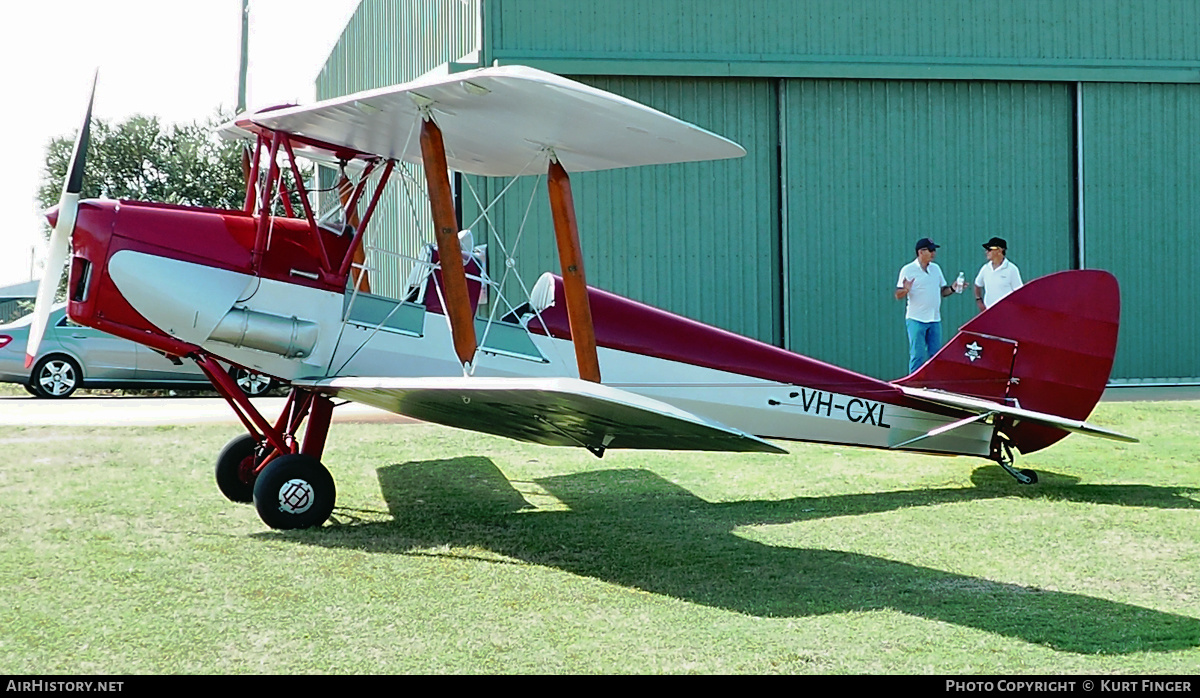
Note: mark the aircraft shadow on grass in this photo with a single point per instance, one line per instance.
(633, 528)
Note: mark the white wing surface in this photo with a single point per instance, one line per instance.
(501, 122)
(550, 411)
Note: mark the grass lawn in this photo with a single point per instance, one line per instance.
(454, 552)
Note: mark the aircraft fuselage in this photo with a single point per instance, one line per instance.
(180, 279)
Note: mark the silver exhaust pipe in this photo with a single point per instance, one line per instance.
(289, 337)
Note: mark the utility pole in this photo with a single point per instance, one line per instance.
(242, 65)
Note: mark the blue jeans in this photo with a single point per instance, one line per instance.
(924, 339)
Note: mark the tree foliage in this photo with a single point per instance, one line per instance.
(142, 159)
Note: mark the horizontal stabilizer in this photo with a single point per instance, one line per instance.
(981, 406)
(550, 411)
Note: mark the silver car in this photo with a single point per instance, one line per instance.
(73, 356)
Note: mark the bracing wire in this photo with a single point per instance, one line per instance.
(413, 189)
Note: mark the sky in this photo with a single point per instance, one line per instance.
(175, 59)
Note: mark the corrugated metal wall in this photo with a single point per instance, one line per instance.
(1142, 220)
(391, 41)
(388, 42)
(873, 165)
(992, 155)
(831, 37)
(868, 124)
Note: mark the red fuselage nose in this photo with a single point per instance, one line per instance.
(92, 298)
(210, 237)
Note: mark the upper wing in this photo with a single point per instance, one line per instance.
(980, 406)
(551, 411)
(501, 121)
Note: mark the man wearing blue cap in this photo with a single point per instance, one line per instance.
(922, 283)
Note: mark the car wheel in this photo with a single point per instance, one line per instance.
(251, 383)
(29, 389)
(56, 377)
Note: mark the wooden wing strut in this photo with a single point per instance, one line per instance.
(570, 256)
(445, 224)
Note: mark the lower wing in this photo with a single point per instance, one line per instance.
(550, 411)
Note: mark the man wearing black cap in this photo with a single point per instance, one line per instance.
(998, 277)
(922, 283)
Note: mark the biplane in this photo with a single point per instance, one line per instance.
(287, 293)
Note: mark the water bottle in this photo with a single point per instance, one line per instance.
(960, 283)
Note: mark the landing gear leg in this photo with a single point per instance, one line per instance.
(1002, 453)
(295, 490)
(268, 465)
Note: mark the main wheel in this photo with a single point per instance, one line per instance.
(251, 383)
(235, 468)
(294, 491)
(55, 376)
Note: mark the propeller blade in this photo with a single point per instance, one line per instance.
(60, 237)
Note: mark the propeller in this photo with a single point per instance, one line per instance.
(60, 237)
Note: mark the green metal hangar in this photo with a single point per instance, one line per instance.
(1069, 127)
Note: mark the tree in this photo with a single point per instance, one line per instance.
(142, 159)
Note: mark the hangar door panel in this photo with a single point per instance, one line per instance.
(1142, 219)
(871, 166)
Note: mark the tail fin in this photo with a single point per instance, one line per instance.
(1048, 347)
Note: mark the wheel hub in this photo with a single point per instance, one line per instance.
(295, 496)
(57, 377)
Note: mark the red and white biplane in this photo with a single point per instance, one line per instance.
(287, 295)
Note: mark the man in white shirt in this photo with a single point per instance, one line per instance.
(922, 283)
(998, 277)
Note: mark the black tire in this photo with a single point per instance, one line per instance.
(55, 376)
(1032, 475)
(29, 389)
(251, 383)
(235, 468)
(294, 491)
